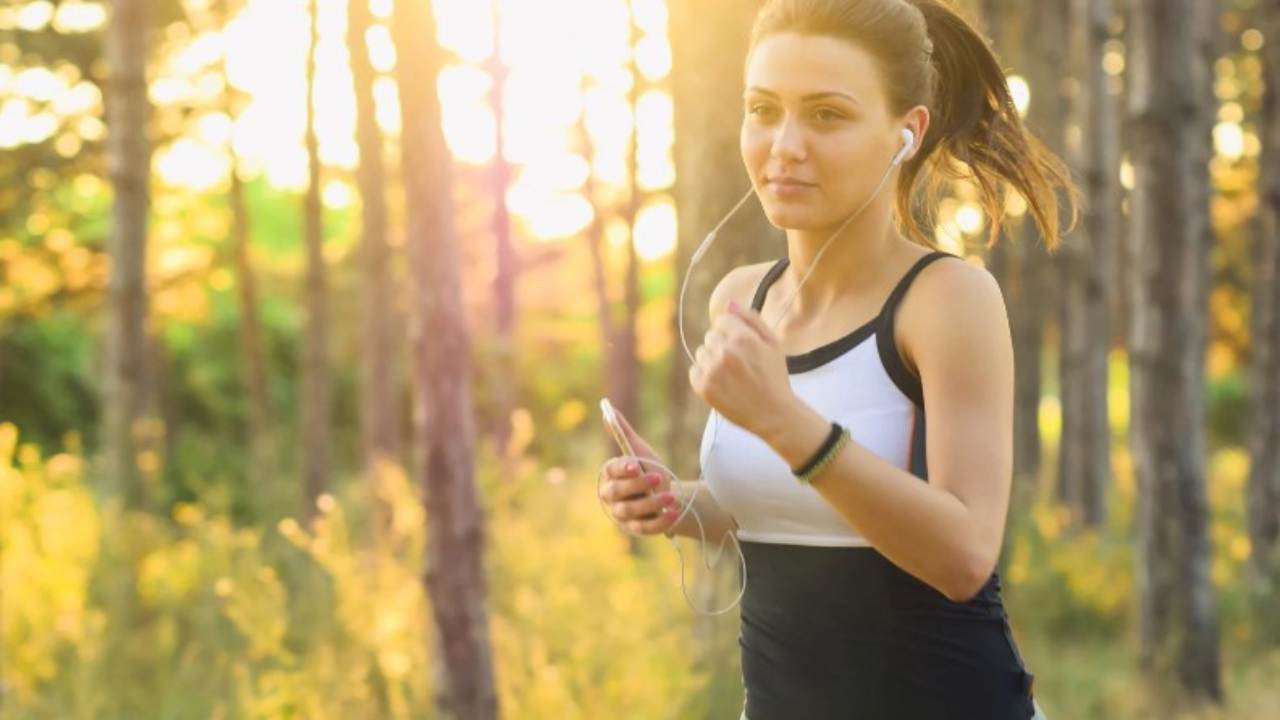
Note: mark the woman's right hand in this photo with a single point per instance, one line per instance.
(638, 498)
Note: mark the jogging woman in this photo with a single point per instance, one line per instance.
(860, 440)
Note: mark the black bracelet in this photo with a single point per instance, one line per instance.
(817, 456)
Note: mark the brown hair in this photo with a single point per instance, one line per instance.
(929, 55)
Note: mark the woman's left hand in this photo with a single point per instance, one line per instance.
(740, 370)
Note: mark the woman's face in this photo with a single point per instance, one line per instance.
(817, 133)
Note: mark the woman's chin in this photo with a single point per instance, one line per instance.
(787, 218)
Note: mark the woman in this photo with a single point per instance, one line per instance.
(870, 536)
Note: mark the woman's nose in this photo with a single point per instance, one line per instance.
(788, 141)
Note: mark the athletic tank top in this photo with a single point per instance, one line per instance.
(830, 628)
(858, 381)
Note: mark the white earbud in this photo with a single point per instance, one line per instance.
(908, 143)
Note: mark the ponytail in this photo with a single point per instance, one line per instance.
(978, 126)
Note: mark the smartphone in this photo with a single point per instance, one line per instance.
(611, 419)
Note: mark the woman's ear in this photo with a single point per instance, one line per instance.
(917, 121)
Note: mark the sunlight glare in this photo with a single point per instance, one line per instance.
(1021, 93)
(656, 230)
(33, 16)
(1228, 140)
(79, 17)
(192, 164)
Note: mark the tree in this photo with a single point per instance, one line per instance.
(1264, 450)
(1084, 457)
(508, 265)
(442, 407)
(1178, 615)
(253, 369)
(1045, 55)
(380, 430)
(125, 390)
(315, 353)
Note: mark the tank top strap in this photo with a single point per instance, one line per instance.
(757, 302)
(906, 380)
(895, 297)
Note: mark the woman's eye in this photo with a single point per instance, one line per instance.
(759, 110)
(827, 114)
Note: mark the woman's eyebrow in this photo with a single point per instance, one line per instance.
(806, 98)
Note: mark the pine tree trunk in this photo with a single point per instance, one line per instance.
(315, 354)
(1046, 54)
(503, 383)
(126, 401)
(260, 473)
(380, 428)
(1084, 261)
(1178, 614)
(125, 392)
(455, 579)
(1264, 425)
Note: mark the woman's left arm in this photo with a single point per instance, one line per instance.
(946, 532)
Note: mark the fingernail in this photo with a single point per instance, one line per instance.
(654, 480)
(667, 498)
(671, 512)
(733, 304)
(631, 467)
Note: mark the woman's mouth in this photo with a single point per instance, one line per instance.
(789, 187)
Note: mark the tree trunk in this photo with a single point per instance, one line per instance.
(380, 429)
(508, 268)
(1264, 426)
(126, 394)
(1046, 55)
(442, 406)
(260, 473)
(1178, 615)
(1003, 260)
(315, 355)
(1084, 459)
(623, 373)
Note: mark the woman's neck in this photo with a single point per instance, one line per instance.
(855, 262)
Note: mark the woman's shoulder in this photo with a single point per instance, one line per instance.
(973, 302)
(739, 284)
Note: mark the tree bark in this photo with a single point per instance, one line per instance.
(442, 406)
(508, 270)
(1178, 615)
(260, 470)
(1264, 426)
(126, 394)
(315, 354)
(1046, 54)
(1084, 459)
(380, 428)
